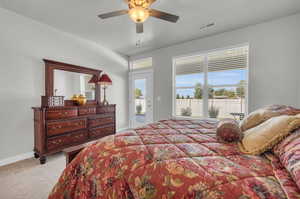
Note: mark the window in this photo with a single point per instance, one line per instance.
(141, 64)
(211, 85)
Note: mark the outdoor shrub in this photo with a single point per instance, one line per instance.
(139, 109)
(213, 112)
(186, 111)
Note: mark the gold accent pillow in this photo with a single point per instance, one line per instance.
(259, 116)
(266, 135)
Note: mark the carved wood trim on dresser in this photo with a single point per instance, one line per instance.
(57, 128)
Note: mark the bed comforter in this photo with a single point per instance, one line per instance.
(175, 159)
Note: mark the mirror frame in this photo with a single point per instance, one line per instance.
(51, 65)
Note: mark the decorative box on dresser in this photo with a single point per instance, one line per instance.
(57, 128)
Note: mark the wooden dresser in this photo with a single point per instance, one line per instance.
(57, 128)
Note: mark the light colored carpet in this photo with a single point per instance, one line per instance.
(28, 179)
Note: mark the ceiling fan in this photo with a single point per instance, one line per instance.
(139, 12)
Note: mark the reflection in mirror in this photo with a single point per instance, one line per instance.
(69, 83)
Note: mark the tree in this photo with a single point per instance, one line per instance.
(240, 90)
(211, 92)
(198, 91)
(230, 94)
(224, 92)
(188, 97)
(198, 94)
(178, 96)
(220, 92)
(138, 93)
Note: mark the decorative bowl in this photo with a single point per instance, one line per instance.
(81, 100)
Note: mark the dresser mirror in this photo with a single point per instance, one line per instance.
(68, 83)
(67, 80)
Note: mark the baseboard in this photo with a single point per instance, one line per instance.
(16, 158)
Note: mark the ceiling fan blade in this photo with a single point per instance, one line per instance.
(139, 28)
(164, 16)
(113, 14)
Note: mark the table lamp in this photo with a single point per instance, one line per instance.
(104, 81)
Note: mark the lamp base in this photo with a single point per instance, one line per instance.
(104, 102)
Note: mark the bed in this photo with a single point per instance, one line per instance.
(180, 159)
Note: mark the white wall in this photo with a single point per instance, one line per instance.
(23, 45)
(274, 63)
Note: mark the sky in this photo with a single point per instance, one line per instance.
(214, 78)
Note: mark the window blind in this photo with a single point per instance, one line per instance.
(217, 61)
(228, 59)
(189, 65)
(141, 64)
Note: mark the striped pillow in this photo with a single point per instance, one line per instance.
(288, 151)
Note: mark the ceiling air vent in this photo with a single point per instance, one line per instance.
(207, 26)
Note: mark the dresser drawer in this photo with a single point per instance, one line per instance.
(56, 128)
(87, 111)
(100, 121)
(101, 132)
(52, 114)
(106, 109)
(66, 140)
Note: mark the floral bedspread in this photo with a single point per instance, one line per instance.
(175, 159)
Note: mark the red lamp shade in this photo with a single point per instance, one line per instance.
(105, 80)
(93, 80)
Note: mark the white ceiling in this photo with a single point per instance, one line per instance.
(79, 17)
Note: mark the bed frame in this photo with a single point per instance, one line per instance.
(72, 152)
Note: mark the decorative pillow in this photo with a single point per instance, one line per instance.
(288, 184)
(288, 152)
(229, 131)
(264, 136)
(259, 116)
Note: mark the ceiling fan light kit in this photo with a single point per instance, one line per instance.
(139, 12)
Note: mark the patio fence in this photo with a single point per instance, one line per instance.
(226, 106)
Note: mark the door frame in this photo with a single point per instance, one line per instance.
(132, 74)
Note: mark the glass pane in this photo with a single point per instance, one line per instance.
(189, 80)
(227, 102)
(140, 101)
(226, 77)
(189, 102)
